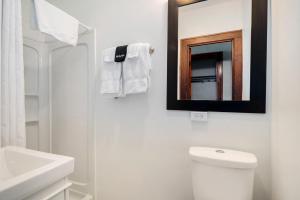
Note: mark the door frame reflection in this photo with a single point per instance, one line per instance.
(236, 38)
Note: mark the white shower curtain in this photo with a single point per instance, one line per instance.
(12, 118)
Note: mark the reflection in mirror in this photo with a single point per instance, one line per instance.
(214, 50)
(208, 72)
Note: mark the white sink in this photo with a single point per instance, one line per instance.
(24, 172)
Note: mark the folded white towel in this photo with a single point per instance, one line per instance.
(55, 22)
(111, 74)
(129, 77)
(137, 68)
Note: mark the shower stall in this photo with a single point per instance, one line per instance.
(59, 98)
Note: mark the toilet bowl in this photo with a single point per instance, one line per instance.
(221, 174)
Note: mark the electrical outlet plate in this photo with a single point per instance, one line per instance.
(199, 116)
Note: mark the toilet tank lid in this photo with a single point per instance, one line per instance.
(223, 157)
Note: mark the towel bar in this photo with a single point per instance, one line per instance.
(151, 51)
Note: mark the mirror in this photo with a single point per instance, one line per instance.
(214, 40)
(217, 55)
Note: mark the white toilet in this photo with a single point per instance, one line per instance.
(221, 174)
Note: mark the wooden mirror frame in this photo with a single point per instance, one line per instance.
(257, 103)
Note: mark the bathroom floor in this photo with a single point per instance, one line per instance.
(78, 196)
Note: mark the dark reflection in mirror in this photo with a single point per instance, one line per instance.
(212, 71)
(209, 76)
(214, 51)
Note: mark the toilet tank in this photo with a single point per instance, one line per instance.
(222, 174)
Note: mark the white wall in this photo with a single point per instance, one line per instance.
(286, 99)
(142, 149)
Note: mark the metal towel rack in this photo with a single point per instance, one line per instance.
(151, 51)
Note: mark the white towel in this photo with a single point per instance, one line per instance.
(57, 23)
(129, 77)
(137, 68)
(111, 74)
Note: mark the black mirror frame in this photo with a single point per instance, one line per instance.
(257, 103)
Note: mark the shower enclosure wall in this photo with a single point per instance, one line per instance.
(59, 87)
